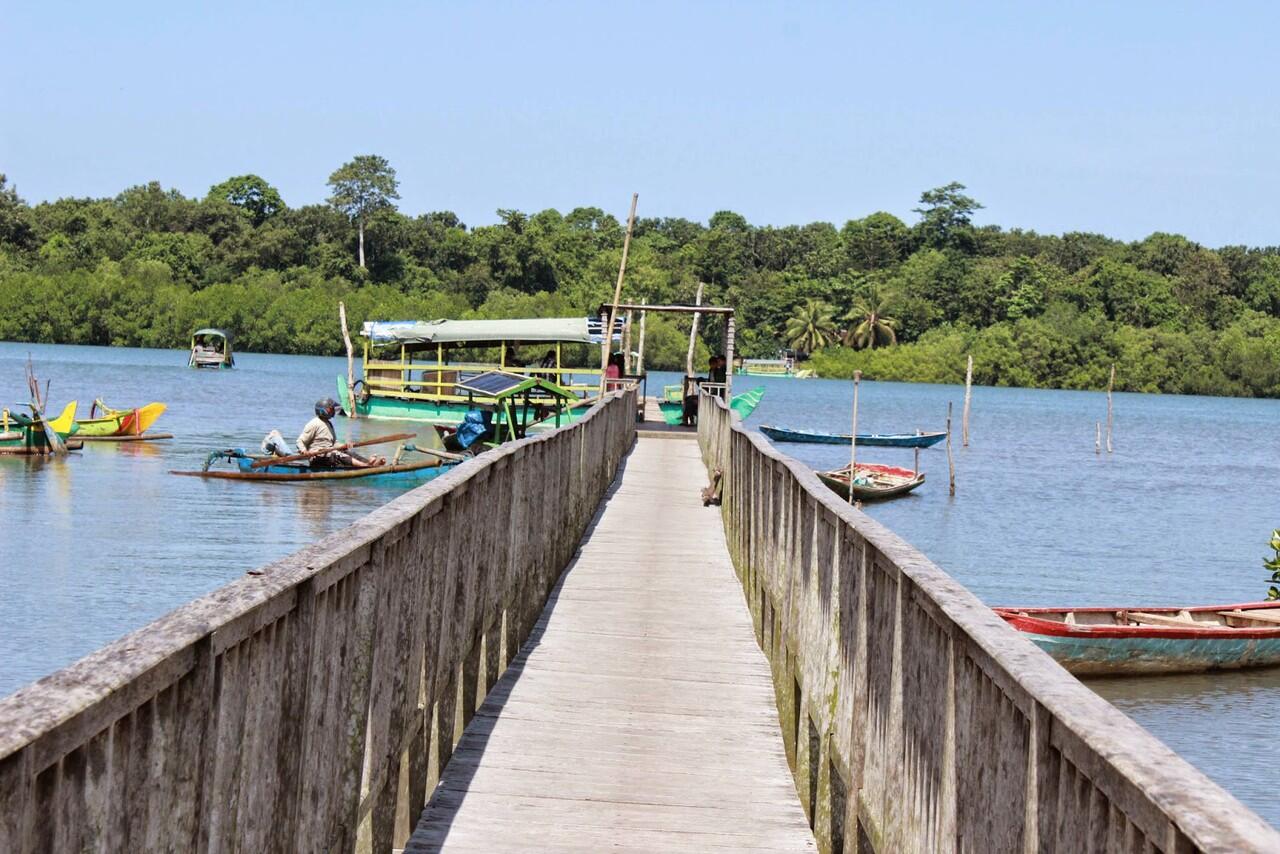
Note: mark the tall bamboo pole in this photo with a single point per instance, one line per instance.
(351, 371)
(853, 440)
(617, 291)
(693, 334)
(1110, 385)
(968, 391)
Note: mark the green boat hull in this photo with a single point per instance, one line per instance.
(743, 404)
(432, 412)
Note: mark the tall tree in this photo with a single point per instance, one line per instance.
(945, 215)
(872, 327)
(252, 194)
(811, 327)
(361, 187)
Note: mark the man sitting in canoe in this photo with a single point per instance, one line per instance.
(319, 434)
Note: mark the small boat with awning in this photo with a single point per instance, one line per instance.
(1109, 641)
(424, 370)
(880, 440)
(211, 348)
(871, 481)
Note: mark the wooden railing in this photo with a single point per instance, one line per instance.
(310, 706)
(914, 718)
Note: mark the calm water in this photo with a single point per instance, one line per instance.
(100, 543)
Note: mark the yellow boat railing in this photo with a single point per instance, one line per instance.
(435, 381)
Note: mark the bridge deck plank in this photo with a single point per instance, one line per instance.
(640, 715)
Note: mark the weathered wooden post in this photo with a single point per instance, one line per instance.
(626, 344)
(853, 438)
(1110, 385)
(1097, 437)
(617, 292)
(640, 348)
(351, 373)
(951, 463)
(968, 392)
(693, 334)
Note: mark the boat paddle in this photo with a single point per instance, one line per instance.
(306, 455)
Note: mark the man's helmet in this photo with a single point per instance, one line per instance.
(326, 407)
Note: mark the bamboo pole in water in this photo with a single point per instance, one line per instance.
(351, 371)
(951, 463)
(617, 292)
(1110, 385)
(693, 334)
(1097, 437)
(853, 441)
(968, 392)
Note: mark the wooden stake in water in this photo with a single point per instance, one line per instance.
(917, 468)
(351, 371)
(951, 463)
(853, 440)
(968, 392)
(1097, 437)
(1111, 383)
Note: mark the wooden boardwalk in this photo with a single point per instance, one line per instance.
(640, 714)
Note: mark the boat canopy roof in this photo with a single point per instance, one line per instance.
(576, 329)
(221, 333)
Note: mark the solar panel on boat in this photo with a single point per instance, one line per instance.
(491, 383)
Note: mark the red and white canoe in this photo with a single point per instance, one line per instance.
(1125, 641)
(872, 481)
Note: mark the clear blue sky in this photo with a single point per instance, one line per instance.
(1122, 117)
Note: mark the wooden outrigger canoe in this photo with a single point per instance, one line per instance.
(882, 440)
(301, 472)
(872, 481)
(1129, 641)
(113, 423)
(24, 435)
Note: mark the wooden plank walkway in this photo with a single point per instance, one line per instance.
(640, 715)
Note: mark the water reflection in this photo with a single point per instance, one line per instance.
(1223, 723)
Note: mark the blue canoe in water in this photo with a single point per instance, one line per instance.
(880, 440)
(1130, 641)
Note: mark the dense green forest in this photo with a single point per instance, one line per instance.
(893, 299)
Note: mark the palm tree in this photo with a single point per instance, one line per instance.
(871, 327)
(811, 328)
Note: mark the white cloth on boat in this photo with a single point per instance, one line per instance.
(275, 444)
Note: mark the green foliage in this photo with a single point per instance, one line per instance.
(361, 188)
(872, 325)
(811, 327)
(146, 267)
(258, 199)
(1272, 565)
